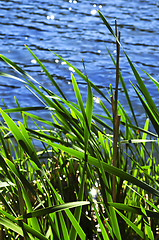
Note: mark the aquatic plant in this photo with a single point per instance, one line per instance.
(47, 193)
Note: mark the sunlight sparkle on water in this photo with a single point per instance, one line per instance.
(93, 12)
(93, 192)
(71, 69)
(96, 99)
(51, 17)
(63, 63)
(33, 61)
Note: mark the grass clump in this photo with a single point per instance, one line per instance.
(47, 193)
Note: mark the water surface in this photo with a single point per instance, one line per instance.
(74, 30)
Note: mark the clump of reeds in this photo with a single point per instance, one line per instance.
(46, 194)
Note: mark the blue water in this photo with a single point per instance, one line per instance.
(74, 30)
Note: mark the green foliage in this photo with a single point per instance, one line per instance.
(47, 193)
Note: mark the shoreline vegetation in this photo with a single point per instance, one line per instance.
(86, 181)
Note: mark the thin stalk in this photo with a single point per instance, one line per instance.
(116, 118)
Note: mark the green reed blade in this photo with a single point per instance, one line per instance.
(153, 80)
(78, 95)
(48, 210)
(12, 76)
(125, 90)
(20, 109)
(131, 224)
(107, 25)
(89, 111)
(144, 135)
(11, 219)
(72, 219)
(13, 226)
(78, 210)
(143, 89)
(24, 74)
(21, 137)
(6, 204)
(147, 230)
(102, 227)
(150, 112)
(25, 196)
(84, 78)
(63, 227)
(46, 72)
(134, 209)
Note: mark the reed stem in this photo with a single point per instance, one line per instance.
(116, 117)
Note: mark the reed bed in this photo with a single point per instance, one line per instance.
(93, 177)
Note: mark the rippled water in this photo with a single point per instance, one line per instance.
(74, 30)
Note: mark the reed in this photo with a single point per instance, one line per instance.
(47, 193)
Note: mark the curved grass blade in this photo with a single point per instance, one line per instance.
(84, 78)
(131, 224)
(11, 76)
(154, 80)
(11, 219)
(46, 72)
(149, 111)
(143, 89)
(11, 225)
(24, 74)
(21, 137)
(48, 210)
(134, 209)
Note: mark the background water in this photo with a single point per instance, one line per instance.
(74, 30)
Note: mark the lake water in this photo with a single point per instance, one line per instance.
(74, 30)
